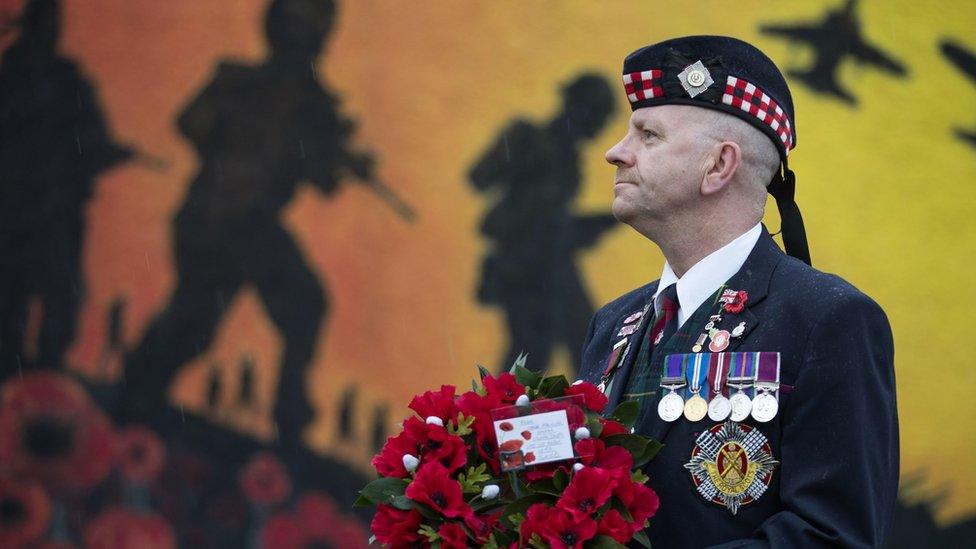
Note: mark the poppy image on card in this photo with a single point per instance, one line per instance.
(513, 445)
(529, 457)
(505, 426)
(527, 435)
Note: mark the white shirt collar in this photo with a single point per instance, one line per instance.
(705, 277)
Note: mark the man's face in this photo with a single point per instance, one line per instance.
(660, 163)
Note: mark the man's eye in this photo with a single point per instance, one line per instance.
(648, 134)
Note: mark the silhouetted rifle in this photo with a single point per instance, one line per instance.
(361, 166)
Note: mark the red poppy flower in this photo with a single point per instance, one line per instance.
(565, 531)
(122, 527)
(396, 528)
(615, 526)
(481, 526)
(389, 462)
(641, 502)
(141, 452)
(434, 443)
(434, 486)
(50, 431)
(439, 404)
(473, 404)
(594, 453)
(25, 512)
(587, 491)
(452, 536)
(487, 448)
(264, 480)
(536, 522)
(543, 472)
(738, 302)
(283, 531)
(504, 387)
(593, 398)
(611, 427)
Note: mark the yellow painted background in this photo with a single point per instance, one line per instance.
(885, 188)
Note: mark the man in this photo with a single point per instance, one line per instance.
(814, 460)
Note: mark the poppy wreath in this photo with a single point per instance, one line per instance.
(442, 485)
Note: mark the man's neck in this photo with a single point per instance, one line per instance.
(686, 248)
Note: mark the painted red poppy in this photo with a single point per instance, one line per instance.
(283, 531)
(264, 480)
(529, 457)
(123, 527)
(25, 512)
(527, 435)
(142, 453)
(50, 431)
(505, 426)
(513, 445)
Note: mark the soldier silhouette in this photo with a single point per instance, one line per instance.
(260, 131)
(53, 144)
(530, 270)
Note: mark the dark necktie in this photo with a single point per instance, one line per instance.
(644, 378)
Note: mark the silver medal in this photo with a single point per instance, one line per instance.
(719, 408)
(671, 407)
(741, 406)
(764, 407)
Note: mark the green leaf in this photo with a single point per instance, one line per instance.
(641, 538)
(553, 386)
(428, 531)
(594, 425)
(362, 501)
(482, 505)
(519, 362)
(474, 476)
(527, 377)
(521, 506)
(626, 413)
(461, 426)
(384, 490)
(483, 372)
(639, 477)
(560, 479)
(604, 542)
(651, 450)
(403, 503)
(635, 444)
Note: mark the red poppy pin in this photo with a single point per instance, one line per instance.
(735, 303)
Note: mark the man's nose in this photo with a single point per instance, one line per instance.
(619, 155)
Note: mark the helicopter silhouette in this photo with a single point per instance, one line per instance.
(836, 37)
(965, 61)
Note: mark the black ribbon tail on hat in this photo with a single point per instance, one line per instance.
(783, 189)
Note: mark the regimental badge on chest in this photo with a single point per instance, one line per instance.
(731, 465)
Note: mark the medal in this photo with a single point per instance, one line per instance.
(720, 341)
(697, 347)
(695, 406)
(742, 368)
(731, 465)
(627, 330)
(765, 403)
(633, 317)
(619, 350)
(719, 407)
(739, 330)
(673, 377)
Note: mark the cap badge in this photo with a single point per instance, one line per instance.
(695, 79)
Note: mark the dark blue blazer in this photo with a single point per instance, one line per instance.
(836, 433)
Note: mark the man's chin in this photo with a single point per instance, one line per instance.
(622, 211)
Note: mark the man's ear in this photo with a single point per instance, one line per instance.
(723, 161)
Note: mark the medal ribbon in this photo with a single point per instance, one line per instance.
(768, 371)
(674, 370)
(742, 368)
(697, 373)
(717, 373)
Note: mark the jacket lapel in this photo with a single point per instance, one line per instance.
(630, 352)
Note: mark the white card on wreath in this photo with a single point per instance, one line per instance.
(533, 439)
